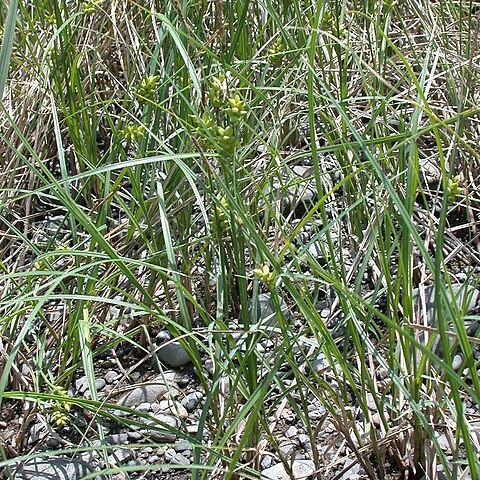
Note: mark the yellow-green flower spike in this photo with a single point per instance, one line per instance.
(264, 274)
(222, 217)
(39, 264)
(207, 120)
(236, 109)
(91, 6)
(148, 86)
(218, 90)
(60, 418)
(204, 127)
(453, 189)
(226, 138)
(60, 409)
(276, 51)
(132, 133)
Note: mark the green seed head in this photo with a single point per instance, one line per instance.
(264, 274)
(91, 6)
(226, 138)
(132, 133)
(453, 189)
(222, 218)
(236, 109)
(148, 86)
(276, 51)
(217, 91)
(60, 410)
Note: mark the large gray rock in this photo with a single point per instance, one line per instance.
(153, 391)
(171, 351)
(300, 469)
(163, 424)
(54, 468)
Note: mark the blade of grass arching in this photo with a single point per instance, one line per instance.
(7, 44)
(183, 53)
(312, 52)
(251, 364)
(259, 94)
(248, 410)
(399, 205)
(313, 318)
(87, 357)
(63, 164)
(405, 260)
(441, 297)
(383, 178)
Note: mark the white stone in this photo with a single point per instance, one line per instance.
(300, 469)
(58, 468)
(153, 391)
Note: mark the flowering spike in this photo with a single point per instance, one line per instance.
(264, 274)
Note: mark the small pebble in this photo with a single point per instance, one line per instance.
(111, 376)
(144, 407)
(182, 445)
(291, 432)
(444, 443)
(121, 455)
(81, 384)
(117, 439)
(300, 469)
(52, 442)
(305, 441)
(266, 462)
(100, 384)
(180, 459)
(171, 352)
(287, 447)
(183, 381)
(174, 408)
(170, 453)
(371, 402)
(209, 367)
(191, 401)
(457, 362)
(192, 429)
